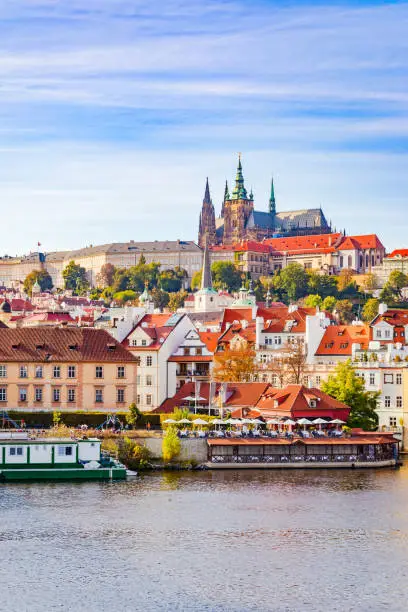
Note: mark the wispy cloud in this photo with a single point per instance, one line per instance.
(86, 85)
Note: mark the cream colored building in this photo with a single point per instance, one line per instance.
(66, 369)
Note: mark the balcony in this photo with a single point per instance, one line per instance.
(196, 372)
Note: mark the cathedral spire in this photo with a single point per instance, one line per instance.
(272, 203)
(207, 219)
(206, 281)
(239, 192)
(226, 192)
(207, 197)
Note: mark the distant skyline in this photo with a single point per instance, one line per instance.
(114, 112)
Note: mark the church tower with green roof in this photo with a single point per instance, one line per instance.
(237, 209)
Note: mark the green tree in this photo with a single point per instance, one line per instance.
(75, 278)
(322, 284)
(160, 298)
(176, 300)
(294, 281)
(370, 309)
(170, 280)
(329, 303)
(370, 282)
(344, 279)
(133, 415)
(345, 386)
(344, 309)
(41, 277)
(225, 276)
(125, 296)
(392, 290)
(196, 279)
(171, 446)
(313, 300)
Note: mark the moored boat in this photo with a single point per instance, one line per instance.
(25, 458)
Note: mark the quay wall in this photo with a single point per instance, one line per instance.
(192, 449)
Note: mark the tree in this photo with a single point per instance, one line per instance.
(125, 296)
(171, 446)
(293, 281)
(329, 303)
(344, 279)
(392, 290)
(370, 309)
(370, 282)
(121, 279)
(322, 284)
(106, 275)
(170, 280)
(196, 279)
(75, 278)
(235, 364)
(225, 276)
(344, 309)
(176, 300)
(313, 300)
(294, 361)
(133, 415)
(345, 386)
(160, 298)
(42, 277)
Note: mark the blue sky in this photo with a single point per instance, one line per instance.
(113, 112)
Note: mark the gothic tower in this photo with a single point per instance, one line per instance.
(207, 220)
(237, 210)
(272, 204)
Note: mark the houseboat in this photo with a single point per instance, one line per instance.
(361, 450)
(25, 458)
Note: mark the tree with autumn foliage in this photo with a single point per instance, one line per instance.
(235, 364)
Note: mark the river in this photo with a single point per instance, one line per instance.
(223, 540)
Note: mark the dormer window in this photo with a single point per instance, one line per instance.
(312, 403)
(144, 343)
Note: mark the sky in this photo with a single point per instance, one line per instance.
(114, 112)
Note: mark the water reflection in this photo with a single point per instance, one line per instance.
(223, 540)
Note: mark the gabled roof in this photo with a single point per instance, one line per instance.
(235, 314)
(56, 344)
(398, 253)
(368, 241)
(210, 339)
(157, 326)
(338, 339)
(305, 244)
(397, 317)
(295, 399)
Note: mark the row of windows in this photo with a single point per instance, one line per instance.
(148, 362)
(388, 378)
(56, 371)
(148, 399)
(148, 380)
(56, 395)
(387, 401)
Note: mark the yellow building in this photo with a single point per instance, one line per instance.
(67, 369)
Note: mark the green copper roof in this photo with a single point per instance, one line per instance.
(239, 192)
(272, 204)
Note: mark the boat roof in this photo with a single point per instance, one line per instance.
(27, 440)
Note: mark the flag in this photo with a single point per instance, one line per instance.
(38, 243)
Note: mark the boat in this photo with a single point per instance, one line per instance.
(30, 458)
(360, 450)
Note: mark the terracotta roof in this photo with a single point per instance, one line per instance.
(368, 241)
(235, 314)
(398, 253)
(338, 339)
(155, 326)
(19, 305)
(237, 329)
(304, 244)
(52, 344)
(210, 339)
(397, 317)
(52, 317)
(190, 358)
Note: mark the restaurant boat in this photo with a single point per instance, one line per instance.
(361, 450)
(25, 458)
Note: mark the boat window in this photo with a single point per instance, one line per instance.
(65, 451)
(13, 450)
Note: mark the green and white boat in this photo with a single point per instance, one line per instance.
(25, 458)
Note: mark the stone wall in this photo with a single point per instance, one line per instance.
(191, 449)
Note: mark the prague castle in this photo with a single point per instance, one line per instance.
(239, 221)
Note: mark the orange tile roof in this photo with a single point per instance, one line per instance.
(210, 339)
(397, 317)
(293, 400)
(398, 253)
(304, 244)
(368, 241)
(338, 339)
(154, 325)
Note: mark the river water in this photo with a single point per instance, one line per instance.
(223, 540)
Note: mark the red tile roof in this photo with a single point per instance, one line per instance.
(398, 253)
(305, 244)
(397, 317)
(154, 325)
(210, 339)
(52, 344)
(338, 339)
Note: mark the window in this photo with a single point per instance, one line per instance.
(23, 371)
(149, 360)
(56, 395)
(38, 394)
(144, 343)
(98, 396)
(38, 371)
(388, 379)
(56, 372)
(99, 372)
(3, 394)
(344, 345)
(16, 450)
(362, 376)
(278, 340)
(148, 380)
(372, 378)
(134, 342)
(22, 394)
(186, 351)
(378, 333)
(199, 351)
(121, 371)
(138, 399)
(71, 371)
(138, 379)
(393, 421)
(387, 401)
(398, 379)
(387, 333)
(120, 396)
(399, 401)
(64, 451)
(71, 395)
(318, 380)
(3, 371)
(148, 400)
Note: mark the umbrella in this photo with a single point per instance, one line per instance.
(232, 422)
(200, 422)
(247, 421)
(273, 422)
(337, 422)
(319, 421)
(304, 422)
(257, 422)
(169, 421)
(191, 398)
(289, 422)
(217, 422)
(184, 421)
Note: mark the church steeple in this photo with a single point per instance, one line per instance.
(226, 198)
(239, 192)
(272, 203)
(206, 280)
(207, 219)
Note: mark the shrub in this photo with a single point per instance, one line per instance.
(171, 446)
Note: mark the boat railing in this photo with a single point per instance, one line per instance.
(282, 459)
